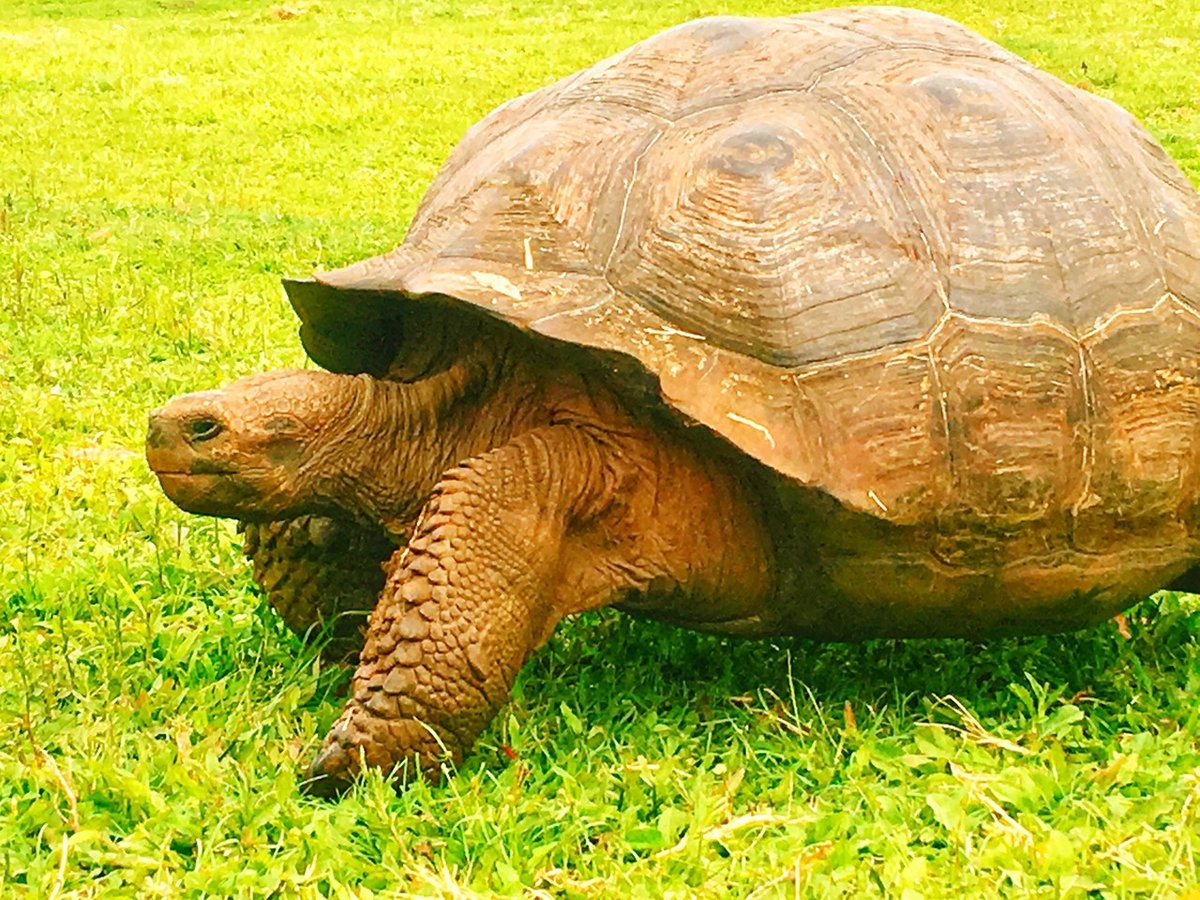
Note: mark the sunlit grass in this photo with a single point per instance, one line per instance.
(161, 166)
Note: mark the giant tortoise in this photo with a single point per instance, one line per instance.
(840, 325)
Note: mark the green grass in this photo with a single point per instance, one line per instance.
(161, 165)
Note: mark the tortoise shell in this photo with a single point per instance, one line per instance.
(875, 251)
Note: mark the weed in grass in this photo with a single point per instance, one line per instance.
(161, 165)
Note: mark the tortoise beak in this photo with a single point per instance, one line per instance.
(180, 444)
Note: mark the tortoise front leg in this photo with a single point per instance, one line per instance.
(319, 571)
(465, 604)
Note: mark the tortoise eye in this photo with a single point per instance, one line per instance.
(204, 428)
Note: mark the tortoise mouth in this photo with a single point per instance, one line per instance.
(209, 493)
(198, 468)
(176, 458)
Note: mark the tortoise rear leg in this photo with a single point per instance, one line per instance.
(466, 603)
(321, 572)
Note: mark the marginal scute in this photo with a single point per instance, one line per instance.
(881, 423)
(1015, 396)
(1149, 412)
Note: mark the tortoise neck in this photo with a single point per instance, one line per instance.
(398, 438)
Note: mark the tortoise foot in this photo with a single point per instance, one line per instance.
(404, 748)
(327, 777)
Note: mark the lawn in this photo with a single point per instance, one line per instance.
(162, 164)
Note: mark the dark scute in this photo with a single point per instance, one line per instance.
(959, 92)
(725, 34)
(755, 151)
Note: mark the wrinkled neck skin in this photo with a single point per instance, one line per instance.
(395, 439)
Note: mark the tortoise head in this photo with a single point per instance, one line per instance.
(257, 449)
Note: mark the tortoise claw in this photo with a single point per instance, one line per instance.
(329, 775)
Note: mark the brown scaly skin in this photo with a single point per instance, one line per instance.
(322, 575)
(539, 496)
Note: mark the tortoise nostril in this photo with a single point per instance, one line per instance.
(204, 428)
(159, 435)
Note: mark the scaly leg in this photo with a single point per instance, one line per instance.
(319, 571)
(472, 596)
